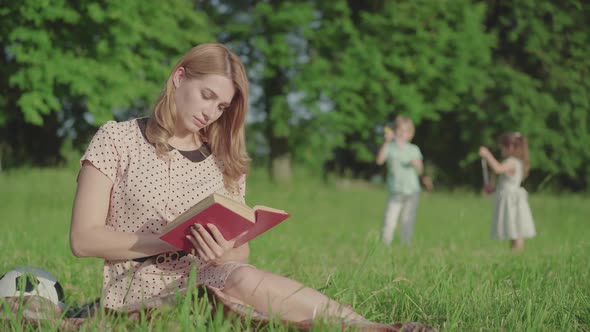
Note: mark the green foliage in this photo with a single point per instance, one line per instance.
(270, 37)
(326, 76)
(76, 62)
(402, 58)
(465, 71)
(542, 79)
(112, 55)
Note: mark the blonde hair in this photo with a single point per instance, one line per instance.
(226, 135)
(401, 120)
(518, 147)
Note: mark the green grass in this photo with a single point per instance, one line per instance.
(452, 276)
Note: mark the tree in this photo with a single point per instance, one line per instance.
(68, 64)
(374, 60)
(465, 71)
(269, 35)
(541, 83)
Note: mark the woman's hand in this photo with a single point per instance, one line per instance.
(210, 245)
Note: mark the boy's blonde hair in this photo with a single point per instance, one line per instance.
(401, 120)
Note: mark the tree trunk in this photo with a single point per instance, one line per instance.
(280, 160)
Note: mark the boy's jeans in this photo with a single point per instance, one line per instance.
(402, 207)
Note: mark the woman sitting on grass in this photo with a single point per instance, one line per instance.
(138, 175)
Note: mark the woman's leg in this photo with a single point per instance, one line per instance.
(276, 295)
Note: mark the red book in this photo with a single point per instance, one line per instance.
(231, 217)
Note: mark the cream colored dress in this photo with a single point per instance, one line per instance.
(512, 217)
(148, 192)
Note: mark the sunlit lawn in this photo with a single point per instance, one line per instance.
(452, 276)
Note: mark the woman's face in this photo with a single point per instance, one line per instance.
(199, 102)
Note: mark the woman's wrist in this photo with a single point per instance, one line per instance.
(239, 254)
(159, 245)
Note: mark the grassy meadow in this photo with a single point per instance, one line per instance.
(452, 276)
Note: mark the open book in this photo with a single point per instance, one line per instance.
(231, 217)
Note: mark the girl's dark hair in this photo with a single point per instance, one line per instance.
(518, 147)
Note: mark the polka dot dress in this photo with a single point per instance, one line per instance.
(148, 192)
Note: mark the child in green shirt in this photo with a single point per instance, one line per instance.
(404, 166)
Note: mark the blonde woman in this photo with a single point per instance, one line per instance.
(140, 174)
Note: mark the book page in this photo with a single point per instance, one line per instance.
(267, 208)
(229, 223)
(200, 206)
(233, 205)
(265, 220)
(237, 207)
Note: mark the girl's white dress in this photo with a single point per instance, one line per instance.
(512, 216)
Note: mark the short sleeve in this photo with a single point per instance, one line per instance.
(237, 191)
(102, 153)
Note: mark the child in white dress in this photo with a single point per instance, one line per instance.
(512, 218)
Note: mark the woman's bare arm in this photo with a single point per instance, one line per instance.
(89, 236)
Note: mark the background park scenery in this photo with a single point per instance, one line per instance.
(326, 76)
